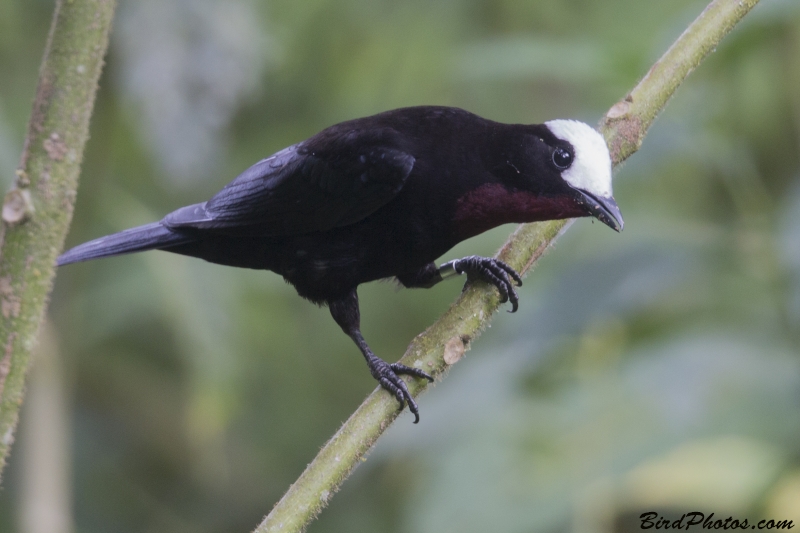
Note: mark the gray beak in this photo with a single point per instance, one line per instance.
(604, 209)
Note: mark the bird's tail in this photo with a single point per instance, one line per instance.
(147, 237)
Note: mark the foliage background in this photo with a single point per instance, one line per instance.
(658, 369)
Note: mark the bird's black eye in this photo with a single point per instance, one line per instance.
(561, 158)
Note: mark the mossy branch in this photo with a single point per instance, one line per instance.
(624, 127)
(37, 211)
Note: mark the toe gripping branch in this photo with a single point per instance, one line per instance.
(388, 375)
(492, 271)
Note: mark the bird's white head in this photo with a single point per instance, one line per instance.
(591, 169)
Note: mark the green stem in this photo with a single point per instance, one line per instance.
(442, 344)
(37, 210)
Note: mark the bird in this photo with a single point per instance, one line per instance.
(385, 196)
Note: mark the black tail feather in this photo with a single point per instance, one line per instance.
(147, 237)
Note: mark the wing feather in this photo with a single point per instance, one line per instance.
(331, 180)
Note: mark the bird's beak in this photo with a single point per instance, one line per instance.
(603, 208)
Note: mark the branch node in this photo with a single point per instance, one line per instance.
(17, 206)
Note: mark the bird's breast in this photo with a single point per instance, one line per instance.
(493, 204)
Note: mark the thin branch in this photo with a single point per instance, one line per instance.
(37, 211)
(441, 345)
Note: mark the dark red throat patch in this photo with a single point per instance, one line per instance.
(492, 205)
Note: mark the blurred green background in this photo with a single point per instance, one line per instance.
(657, 369)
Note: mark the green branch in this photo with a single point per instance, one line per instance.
(624, 127)
(37, 211)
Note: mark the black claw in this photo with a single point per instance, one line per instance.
(510, 271)
(393, 389)
(494, 272)
(412, 406)
(409, 371)
(389, 378)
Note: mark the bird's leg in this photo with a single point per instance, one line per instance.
(492, 271)
(346, 313)
(424, 278)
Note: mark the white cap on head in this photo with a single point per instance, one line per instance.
(591, 169)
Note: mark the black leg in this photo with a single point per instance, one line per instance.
(424, 278)
(346, 313)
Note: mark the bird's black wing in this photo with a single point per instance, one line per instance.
(330, 180)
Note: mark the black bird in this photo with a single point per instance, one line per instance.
(384, 196)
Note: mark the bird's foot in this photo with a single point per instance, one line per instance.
(389, 378)
(492, 271)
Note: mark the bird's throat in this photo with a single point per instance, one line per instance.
(493, 204)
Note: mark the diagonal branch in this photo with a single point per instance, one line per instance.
(442, 344)
(37, 211)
